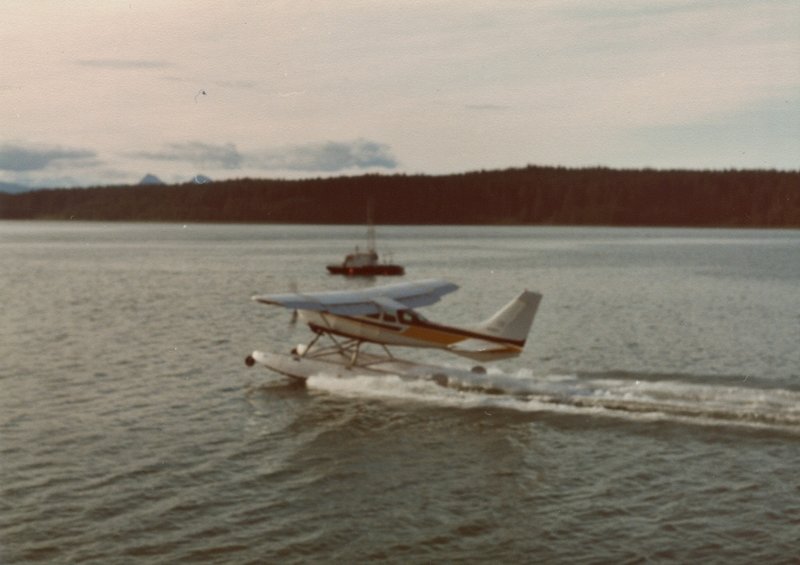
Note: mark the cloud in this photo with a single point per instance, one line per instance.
(122, 64)
(18, 158)
(328, 157)
(331, 156)
(244, 84)
(486, 107)
(203, 154)
(748, 138)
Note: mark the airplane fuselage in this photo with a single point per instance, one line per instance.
(386, 315)
(407, 329)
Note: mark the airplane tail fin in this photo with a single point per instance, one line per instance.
(513, 321)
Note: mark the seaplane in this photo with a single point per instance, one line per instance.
(386, 316)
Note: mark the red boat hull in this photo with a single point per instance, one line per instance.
(366, 270)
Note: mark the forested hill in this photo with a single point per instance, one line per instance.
(533, 195)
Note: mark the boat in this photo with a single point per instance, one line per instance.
(366, 263)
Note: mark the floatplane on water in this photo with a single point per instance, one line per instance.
(386, 316)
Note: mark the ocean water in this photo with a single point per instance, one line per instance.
(653, 417)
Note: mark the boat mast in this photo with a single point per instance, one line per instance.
(370, 228)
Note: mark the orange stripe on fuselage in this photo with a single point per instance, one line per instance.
(419, 333)
(439, 335)
(432, 335)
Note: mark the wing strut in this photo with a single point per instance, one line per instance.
(349, 350)
(386, 349)
(354, 356)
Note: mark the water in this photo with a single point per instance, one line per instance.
(654, 416)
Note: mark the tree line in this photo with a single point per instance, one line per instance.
(523, 196)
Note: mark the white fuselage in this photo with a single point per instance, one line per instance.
(408, 329)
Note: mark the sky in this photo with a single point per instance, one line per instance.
(103, 92)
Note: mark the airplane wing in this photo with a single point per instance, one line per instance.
(363, 302)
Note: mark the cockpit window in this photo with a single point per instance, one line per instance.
(408, 316)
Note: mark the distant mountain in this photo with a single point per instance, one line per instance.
(12, 188)
(150, 179)
(201, 179)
